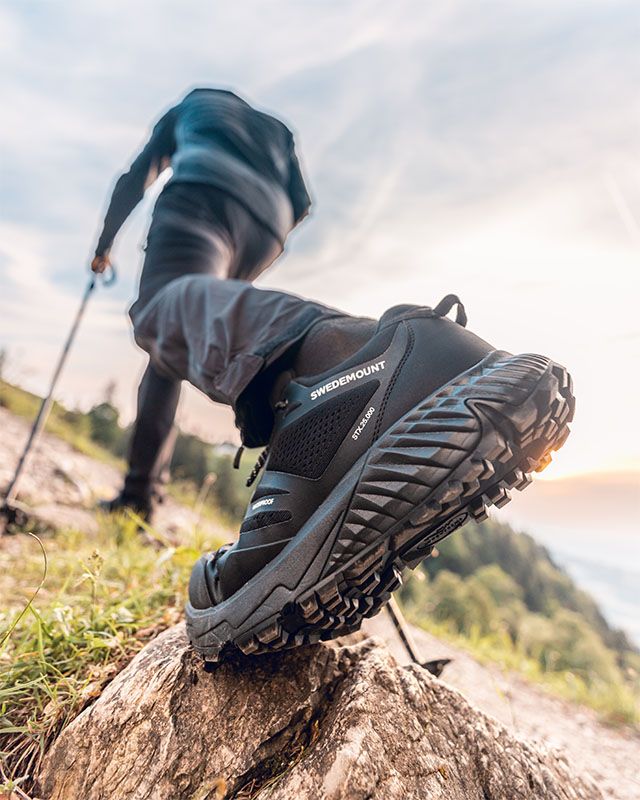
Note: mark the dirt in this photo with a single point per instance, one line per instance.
(62, 487)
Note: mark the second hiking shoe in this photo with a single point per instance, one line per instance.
(369, 466)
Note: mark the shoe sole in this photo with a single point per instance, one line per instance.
(455, 453)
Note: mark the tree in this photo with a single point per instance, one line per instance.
(464, 604)
(502, 587)
(105, 429)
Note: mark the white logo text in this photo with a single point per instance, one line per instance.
(266, 502)
(363, 422)
(356, 375)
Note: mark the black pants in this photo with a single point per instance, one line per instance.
(195, 230)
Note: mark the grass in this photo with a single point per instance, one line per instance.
(102, 599)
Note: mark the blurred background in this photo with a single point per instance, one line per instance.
(485, 149)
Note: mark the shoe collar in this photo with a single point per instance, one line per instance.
(406, 311)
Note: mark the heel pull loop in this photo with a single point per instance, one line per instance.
(445, 306)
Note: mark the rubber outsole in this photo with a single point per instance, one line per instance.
(457, 452)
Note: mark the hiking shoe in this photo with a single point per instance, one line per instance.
(369, 466)
(123, 502)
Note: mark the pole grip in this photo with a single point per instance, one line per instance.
(110, 276)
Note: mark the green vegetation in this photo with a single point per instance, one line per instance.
(73, 427)
(499, 592)
(543, 586)
(102, 599)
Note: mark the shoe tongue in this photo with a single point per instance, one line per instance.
(281, 387)
(296, 391)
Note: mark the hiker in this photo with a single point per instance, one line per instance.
(382, 437)
(235, 194)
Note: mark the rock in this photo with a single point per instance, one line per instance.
(323, 722)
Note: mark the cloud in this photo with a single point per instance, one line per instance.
(488, 149)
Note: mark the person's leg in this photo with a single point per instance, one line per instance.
(224, 336)
(179, 242)
(151, 444)
(195, 229)
(388, 436)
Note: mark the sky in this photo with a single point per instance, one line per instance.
(488, 149)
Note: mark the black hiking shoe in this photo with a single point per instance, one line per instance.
(123, 502)
(369, 466)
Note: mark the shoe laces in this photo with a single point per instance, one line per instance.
(262, 458)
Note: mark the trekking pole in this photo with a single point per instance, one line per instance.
(435, 666)
(8, 511)
(400, 624)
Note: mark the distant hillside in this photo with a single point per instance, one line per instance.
(502, 592)
(546, 587)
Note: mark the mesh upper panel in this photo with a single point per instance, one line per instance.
(307, 446)
(264, 518)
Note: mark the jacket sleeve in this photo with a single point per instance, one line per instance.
(300, 200)
(130, 186)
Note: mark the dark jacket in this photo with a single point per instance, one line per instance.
(214, 137)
